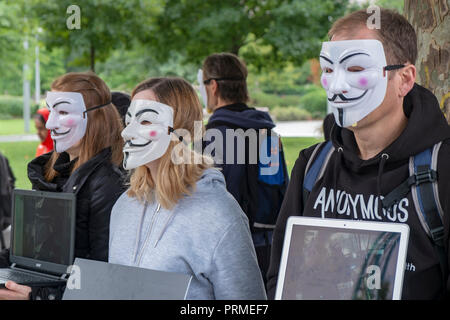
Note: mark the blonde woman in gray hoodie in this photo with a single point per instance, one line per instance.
(177, 215)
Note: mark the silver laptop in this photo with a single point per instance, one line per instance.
(42, 238)
(337, 259)
(96, 280)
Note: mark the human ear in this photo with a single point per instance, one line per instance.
(407, 79)
(214, 87)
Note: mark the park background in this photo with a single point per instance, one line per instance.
(127, 41)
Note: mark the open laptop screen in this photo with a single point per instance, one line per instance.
(42, 228)
(333, 263)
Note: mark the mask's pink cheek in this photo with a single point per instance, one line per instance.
(363, 82)
(153, 134)
(324, 82)
(68, 122)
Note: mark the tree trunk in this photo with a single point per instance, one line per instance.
(92, 55)
(431, 20)
(315, 71)
(235, 49)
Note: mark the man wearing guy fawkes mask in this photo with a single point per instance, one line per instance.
(223, 87)
(382, 121)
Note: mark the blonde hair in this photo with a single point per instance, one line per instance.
(173, 181)
(98, 136)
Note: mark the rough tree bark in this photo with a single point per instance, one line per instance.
(431, 20)
(92, 57)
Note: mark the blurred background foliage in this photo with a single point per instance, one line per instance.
(127, 41)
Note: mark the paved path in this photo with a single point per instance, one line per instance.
(19, 137)
(299, 128)
(284, 129)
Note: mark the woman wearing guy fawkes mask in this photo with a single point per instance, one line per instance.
(177, 215)
(85, 128)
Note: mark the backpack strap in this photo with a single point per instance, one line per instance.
(316, 167)
(425, 192)
(426, 200)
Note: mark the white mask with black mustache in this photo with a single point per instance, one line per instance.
(67, 120)
(355, 78)
(147, 133)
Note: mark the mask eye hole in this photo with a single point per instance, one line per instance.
(355, 69)
(63, 113)
(327, 70)
(145, 123)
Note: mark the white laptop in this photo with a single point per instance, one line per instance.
(337, 259)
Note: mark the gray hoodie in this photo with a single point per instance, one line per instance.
(205, 235)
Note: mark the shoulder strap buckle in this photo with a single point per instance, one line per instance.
(422, 176)
(437, 235)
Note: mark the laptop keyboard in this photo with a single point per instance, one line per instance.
(20, 277)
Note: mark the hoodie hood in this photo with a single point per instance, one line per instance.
(210, 178)
(239, 115)
(46, 145)
(426, 127)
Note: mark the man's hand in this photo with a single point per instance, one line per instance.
(15, 291)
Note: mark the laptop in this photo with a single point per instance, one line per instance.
(337, 259)
(42, 238)
(96, 280)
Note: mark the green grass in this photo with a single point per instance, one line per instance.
(20, 153)
(292, 147)
(15, 126)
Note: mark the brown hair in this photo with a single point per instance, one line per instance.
(396, 33)
(227, 66)
(104, 125)
(173, 180)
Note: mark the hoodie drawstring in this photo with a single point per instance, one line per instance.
(384, 158)
(337, 165)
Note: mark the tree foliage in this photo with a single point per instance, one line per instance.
(126, 41)
(105, 25)
(12, 54)
(284, 30)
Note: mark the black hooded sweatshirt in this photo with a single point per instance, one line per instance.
(366, 179)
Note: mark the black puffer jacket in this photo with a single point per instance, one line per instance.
(97, 184)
